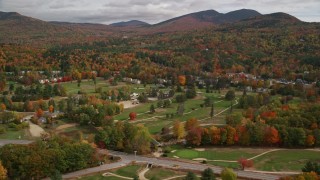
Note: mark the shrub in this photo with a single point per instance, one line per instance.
(167, 149)
(2, 130)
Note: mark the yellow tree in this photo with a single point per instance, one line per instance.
(3, 172)
(39, 113)
(178, 130)
(3, 107)
(51, 109)
(191, 123)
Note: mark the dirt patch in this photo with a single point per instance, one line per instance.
(199, 97)
(199, 149)
(128, 104)
(65, 126)
(35, 130)
(200, 159)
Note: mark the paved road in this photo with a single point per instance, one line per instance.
(101, 168)
(6, 141)
(165, 162)
(170, 163)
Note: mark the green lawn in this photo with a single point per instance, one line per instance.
(86, 86)
(285, 160)
(155, 127)
(212, 154)
(192, 110)
(73, 132)
(128, 171)
(13, 134)
(282, 160)
(160, 173)
(233, 165)
(100, 177)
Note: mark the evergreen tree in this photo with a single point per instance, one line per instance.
(311, 166)
(208, 174)
(47, 91)
(180, 109)
(212, 111)
(191, 176)
(230, 95)
(152, 109)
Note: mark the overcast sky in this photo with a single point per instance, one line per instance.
(151, 11)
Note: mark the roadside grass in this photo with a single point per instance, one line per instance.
(85, 86)
(161, 173)
(128, 171)
(75, 131)
(100, 177)
(233, 165)
(13, 134)
(282, 160)
(212, 154)
(285, 160)
(156, 126)
(141, 108)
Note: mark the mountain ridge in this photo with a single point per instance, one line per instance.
(133, 23)
(19, 28)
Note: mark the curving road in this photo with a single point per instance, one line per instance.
(6, 141)
(171, 163)
(168, 163)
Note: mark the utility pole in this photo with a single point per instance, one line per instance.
(212, 111)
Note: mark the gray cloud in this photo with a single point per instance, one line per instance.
(152, 11)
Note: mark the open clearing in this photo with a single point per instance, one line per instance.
(279, 160)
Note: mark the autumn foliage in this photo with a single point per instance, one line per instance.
(268, 114)
(2, 107)
(133, 116)
(245, 163)
(51, 109)
(182, 80)
(271, 136)
(39, 113)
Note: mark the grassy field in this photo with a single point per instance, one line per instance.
(156, 121)
(128, 171)
(160, 173)
(282, 160)
(233, 165)
(100, 177)
(14, 134)
(73, 132)
(285, 160)
(213, 153)
(86, 86)
(131, 171)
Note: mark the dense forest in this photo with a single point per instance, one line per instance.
(278, 49)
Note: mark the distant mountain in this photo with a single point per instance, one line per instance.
(204, 16)
(269, 20)
(237, 15)
(132, 23)
(203, 19)
(16, 28)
